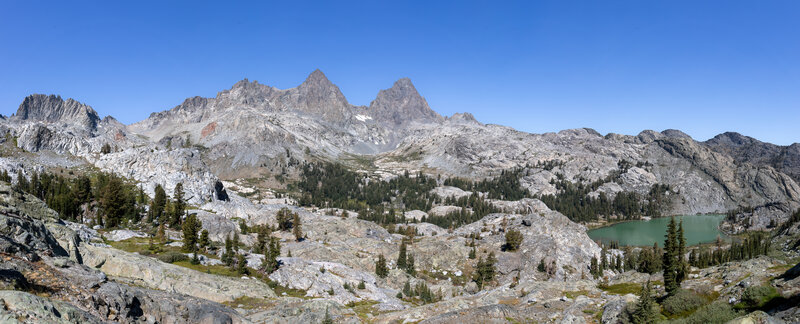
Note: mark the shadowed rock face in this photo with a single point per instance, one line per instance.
(746, 149)
(53, 109)
(402, 104)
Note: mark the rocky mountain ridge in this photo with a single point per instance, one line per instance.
(254, 130)
(745, 149)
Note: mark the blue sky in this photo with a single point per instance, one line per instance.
(704, 67)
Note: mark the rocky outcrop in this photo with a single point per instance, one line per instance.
(151, 273)
(22, 307)
(53, 109)
(745, 149)
(39, 258)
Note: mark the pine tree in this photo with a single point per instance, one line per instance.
(161, 234)
(227, 256)
(380, 267)
(178, 205)
(401, 258)
(683, 267)
(473, 253)
(241, 265)
(158, 204)
(204, 240)
(270, 262)
(669, 262)
(284, 219)
(190, 228)
(594, 269)
(327, 319)
(645, 312)
(407, 289)
(513, 239)
(297, 227)
(113, 202)
(603, 259)
(485, 270)
(410, 267)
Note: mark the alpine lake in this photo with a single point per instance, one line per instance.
(697, 229)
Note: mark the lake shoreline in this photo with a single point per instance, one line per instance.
(589, 226)
(641, 232)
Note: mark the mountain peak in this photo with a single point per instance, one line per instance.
(402, 103)
(317, 78)
(54, 109)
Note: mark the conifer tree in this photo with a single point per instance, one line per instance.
(410, 267)
(284, 218)
(380, 267)
(603, 259)
(297, 227)
(241, 264)
(273, 251)
(178, 205)
(670, 259)
(485, 270)
(645, 311)
(401, 257)
(204, 240)
(227, 256)
(158, 204)
(113, 202)
(594, 269)
(161, 234)
(327, 319)
(190, 228)
(683, 267)
(513, 239)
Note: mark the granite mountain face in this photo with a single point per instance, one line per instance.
(255, 130)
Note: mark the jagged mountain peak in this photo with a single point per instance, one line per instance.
(54, 109)
(401, 104)
(463, 118)
(317, 77)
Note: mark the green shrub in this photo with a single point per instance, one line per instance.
(757, 296)
(172, 257)
(717, 312)
(682, 303)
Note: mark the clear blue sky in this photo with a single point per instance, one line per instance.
(617, 66)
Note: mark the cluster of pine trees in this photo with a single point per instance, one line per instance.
(114, 199)
(757, 243)
(420, 290)
(333, 185)
(674, 262)
(484, 270)
(405, 260)
(573, 201)
(507, 186)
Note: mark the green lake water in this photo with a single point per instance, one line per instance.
(697, 229)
